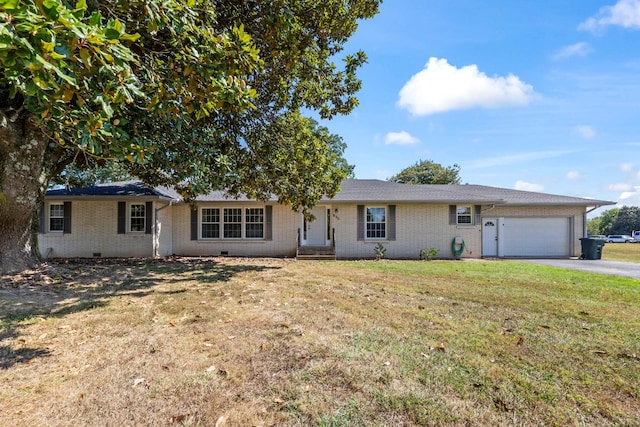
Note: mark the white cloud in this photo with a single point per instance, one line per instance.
(574, 175)
(577, 49)
(587, 132)
(400, 138)
(442, 87)
(625, 13)
(619, 187)
(528, 186)
(629, 198)
(626, 167)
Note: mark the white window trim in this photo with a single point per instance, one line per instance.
(470, 215)
(243, 223)
(48, 218)
(130, 217)
(386, 223)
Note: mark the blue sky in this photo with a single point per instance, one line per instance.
(540, 96)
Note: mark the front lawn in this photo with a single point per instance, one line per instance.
(248, 342)
(628, 252)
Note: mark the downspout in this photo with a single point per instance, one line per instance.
(156, 229)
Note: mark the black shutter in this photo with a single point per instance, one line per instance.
(41, 219)
(392, 223)
(122, 217)
(148, 217)
(360, 222)
(478, 211)
(453, 220)
(66, 226)
(194, 224)
(268, 215)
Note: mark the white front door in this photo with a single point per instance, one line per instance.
(489, 237)
(318, 228)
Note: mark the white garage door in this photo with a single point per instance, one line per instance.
(537, 237)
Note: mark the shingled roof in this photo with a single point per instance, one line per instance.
(371, 190)
(123, 188)
(364, 191)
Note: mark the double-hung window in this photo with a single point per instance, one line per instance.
(56, 217)
(254, 223)
(210, 223)
(464, 215)
(232, 223)
(376, 222)
(137, 216)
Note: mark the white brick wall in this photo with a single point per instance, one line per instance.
(285, 224)
(418, 227)
(94, 229)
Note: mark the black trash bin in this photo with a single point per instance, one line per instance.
(591, 248)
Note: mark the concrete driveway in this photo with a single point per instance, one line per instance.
(614, 268)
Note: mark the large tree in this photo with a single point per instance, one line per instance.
(201, 94)
(428, 172)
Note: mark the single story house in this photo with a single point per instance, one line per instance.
(127, 219)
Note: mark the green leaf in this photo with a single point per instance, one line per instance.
(130, 37)
(9, 4)
(81, 5)
(95, 19)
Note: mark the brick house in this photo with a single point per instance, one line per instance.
(127, 219)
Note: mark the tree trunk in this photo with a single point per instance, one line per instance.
(22, 186)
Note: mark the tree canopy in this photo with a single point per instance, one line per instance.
(428, 172)
(622, 220)
(199, 94)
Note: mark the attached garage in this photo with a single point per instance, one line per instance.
(537, 237)
(527, 237)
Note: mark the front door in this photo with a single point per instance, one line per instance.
(317, 229)
(489, 237)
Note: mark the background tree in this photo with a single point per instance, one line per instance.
(603, 223)
(627, 220)
(428, 172)
(200, 94)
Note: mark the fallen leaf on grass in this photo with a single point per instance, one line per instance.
(600, 352)
(138, 381)
(520, 341)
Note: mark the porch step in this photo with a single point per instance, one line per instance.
(316, 253)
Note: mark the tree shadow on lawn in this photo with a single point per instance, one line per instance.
(62, 287)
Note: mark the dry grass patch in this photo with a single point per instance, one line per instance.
(628, 252)
(241, 342)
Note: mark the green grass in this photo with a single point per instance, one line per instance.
(627, 252)
(275, 342)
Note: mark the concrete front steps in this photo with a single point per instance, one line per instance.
(316, 253)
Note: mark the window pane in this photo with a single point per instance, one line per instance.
(233, 231)
(56, 217)
(210, 215)
(210, 223)
(376, 227)
(137, 217)
(210, 231)
(464, 214)
(232, 223)
(254, 223)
